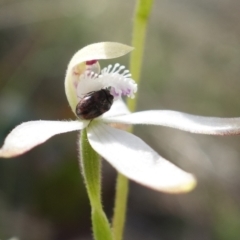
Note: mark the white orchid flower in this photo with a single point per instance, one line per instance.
(127, 153)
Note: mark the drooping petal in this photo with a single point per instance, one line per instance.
(30, 134)
(182, 121)
(77, 65)
(137, 161)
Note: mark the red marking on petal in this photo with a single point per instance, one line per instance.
(91, 62)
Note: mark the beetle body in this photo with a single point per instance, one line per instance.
(94, 104)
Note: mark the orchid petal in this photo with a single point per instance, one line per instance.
(137, 161)
(77, 65)
(182, 121)
(30, 134)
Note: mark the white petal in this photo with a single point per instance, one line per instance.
(136, 160)
(96, 51)
(118, 108)
(182, 121)
(30, 134)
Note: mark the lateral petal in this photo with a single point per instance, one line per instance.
(183, 121)
(30, 134)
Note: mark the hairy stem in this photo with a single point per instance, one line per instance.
(91, 171)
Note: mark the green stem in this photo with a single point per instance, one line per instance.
(142, 12)
(120, 206)
(91, 170)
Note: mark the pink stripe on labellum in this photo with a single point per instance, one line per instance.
(91, 62)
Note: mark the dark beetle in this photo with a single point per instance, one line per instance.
(94, 104)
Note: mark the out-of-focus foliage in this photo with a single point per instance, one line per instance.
(192, 64)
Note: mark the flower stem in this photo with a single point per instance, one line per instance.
(120, 206)
(142, 12)
(91, 169)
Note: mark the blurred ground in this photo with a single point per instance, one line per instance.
(192, 64)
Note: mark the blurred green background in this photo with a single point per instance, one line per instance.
(191, 64)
